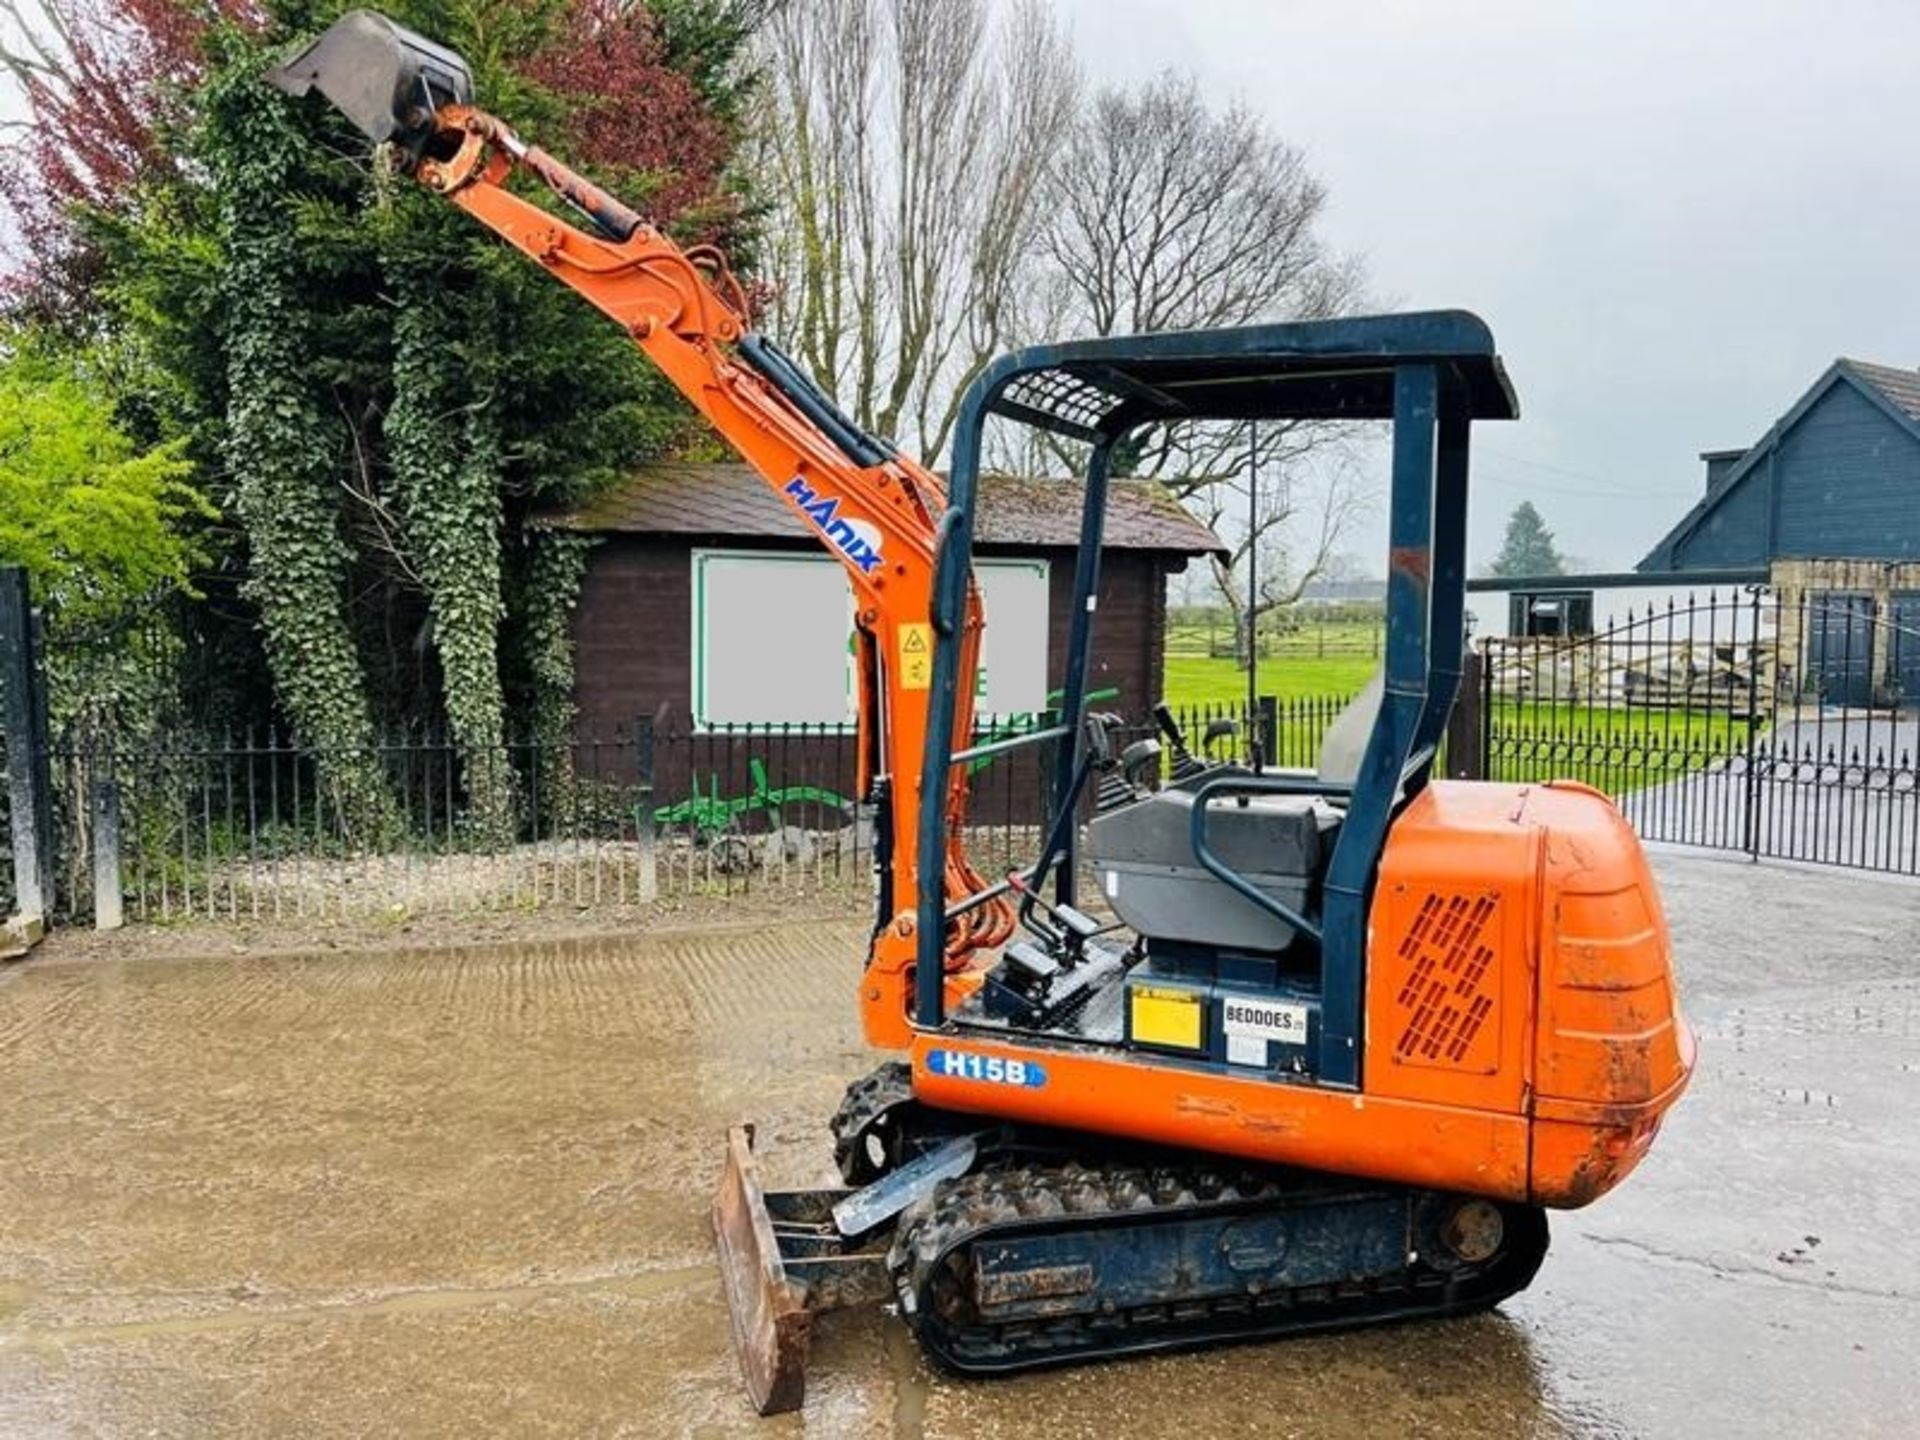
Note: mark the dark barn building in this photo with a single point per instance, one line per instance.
(1824, 509)
(707, 604)
(1835, 478)
(1827, 505)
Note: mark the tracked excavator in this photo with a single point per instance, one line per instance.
(1320, 1048)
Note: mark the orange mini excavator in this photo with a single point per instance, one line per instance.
(1323, 1047)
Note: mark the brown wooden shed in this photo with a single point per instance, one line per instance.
(699, 608)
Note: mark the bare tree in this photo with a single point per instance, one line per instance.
(1300, 514)
(1165, 214)
(903, 147)
(939, 192)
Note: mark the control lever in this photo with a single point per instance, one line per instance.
(1137, 772)
(1140, 761)
(1100, 728)
(1185, 767)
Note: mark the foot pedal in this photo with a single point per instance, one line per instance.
(1081, 926)
(1030, 990)
(1032, 964)
(1018, 988)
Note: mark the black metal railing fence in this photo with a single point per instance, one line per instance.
(255, 826)
(1781, 725)
(8, 900)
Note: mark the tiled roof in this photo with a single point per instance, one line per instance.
(727, 500)
(1900, 387)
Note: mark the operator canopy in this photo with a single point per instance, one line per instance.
(1302, 370)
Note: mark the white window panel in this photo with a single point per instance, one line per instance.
(772, 638)
(1013, 652)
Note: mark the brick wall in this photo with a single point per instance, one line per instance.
(1803, 583)
(633, 629)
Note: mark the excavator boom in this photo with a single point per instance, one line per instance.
(874, 509)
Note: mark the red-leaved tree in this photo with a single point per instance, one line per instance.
(104, 79)
(630, 111)
(101, 80)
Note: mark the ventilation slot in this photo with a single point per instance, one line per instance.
(1447, 993)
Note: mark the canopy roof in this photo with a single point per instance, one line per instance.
(1305, 370)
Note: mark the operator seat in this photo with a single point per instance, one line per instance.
(1143, 852)
(1345, 744)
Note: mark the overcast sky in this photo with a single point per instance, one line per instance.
(1673, 215)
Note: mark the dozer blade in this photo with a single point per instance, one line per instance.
(786, 1255)
(771, 1321)
(384, 78)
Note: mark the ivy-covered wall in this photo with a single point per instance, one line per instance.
(282, 451)
(372, 392)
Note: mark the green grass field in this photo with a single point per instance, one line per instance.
(1615, 750)
(1309, 664)
(1318, 658)
(1201, 680)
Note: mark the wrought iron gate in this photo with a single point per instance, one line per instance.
(1783, 726)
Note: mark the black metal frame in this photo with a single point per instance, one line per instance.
(1431, 374)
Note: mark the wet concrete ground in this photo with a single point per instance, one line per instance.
(435, 1193)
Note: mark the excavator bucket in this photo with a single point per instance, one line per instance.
(384, 78)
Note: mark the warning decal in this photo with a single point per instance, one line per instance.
(916, 657)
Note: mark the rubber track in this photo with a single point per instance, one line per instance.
(933, 1277)
(872, 1103)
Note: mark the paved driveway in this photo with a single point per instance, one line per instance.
(443, 1192)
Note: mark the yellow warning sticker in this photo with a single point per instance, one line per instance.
(1166, 1017)
(916, 657)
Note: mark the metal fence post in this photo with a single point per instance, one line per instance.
(1483, 743)
(108, 910)
(23, 711)
(643, 817)
(1466, 729)
(1269, 717)
(1750, 817)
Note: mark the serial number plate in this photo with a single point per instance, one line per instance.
(1265, 1020)
(994, 1069)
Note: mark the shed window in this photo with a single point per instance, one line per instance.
(1550, 612)
(773, 638)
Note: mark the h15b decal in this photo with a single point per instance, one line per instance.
(994, 1069)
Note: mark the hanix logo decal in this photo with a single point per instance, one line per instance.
(855, 539)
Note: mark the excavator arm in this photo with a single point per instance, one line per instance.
(875, 510)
